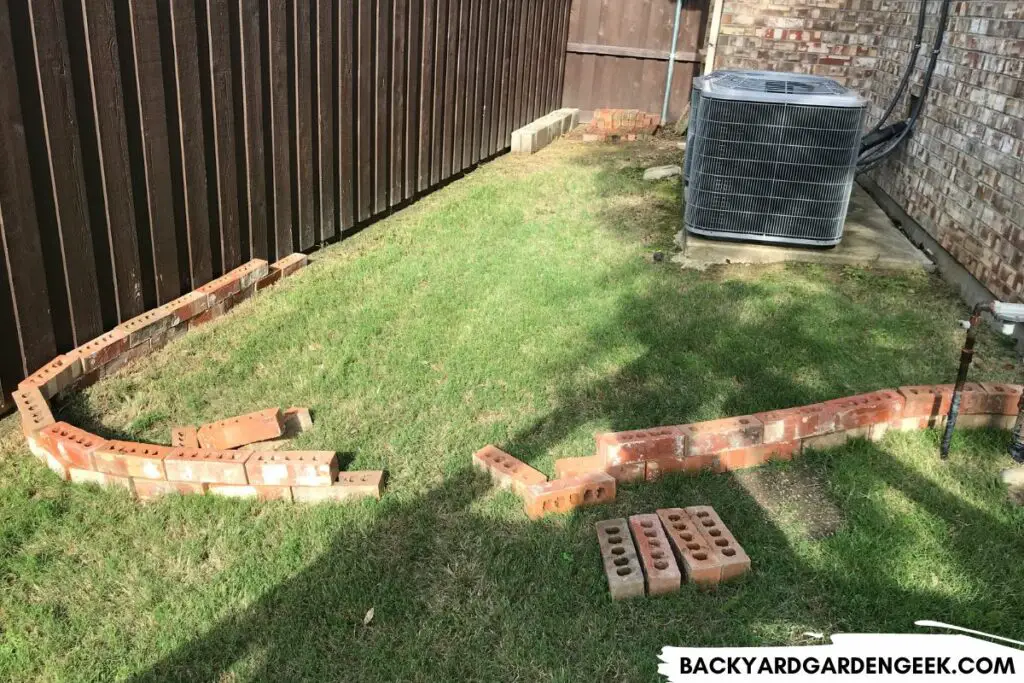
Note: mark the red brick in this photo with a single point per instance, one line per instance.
(755, 456)
(290, 264)
(80, 476)
(49, 456)
(185, 437)
(660, 570)
(209, 315)
(350, 485)
(296, 421)
(241, 295)
(206, 466)
(242, 430)
(929, 401)
(563, 495)
(221, 288)
(505, 470)
(620, 448)
(269, 280)
(621, 564)
(692, 464)
(796, 423)
(254, 492)
(131, 459)
(708, 438)
(55, 376)
(250, 273)
(33, 409)
(129, 356)
(986, 421)
(866, 410)
(158, 341)
(1002, 399)
(75, 445)
(730, 554)
(699, 562)
(102, 350)
(292, 468)
(151, 489)
(186, 307)
(142, 327)
(570, 467)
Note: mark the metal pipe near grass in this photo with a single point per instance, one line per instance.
(671, 62)
(1006, 313)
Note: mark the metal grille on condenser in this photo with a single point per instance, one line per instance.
(694, 108)
(771, 170)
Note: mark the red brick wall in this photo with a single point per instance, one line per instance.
(961, 176)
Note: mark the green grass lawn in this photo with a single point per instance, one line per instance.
(518, 306)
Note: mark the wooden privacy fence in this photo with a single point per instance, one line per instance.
(146, 146)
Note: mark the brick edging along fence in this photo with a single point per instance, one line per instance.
(740, 442)
(149, 471)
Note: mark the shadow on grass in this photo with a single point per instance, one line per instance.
(461, 595)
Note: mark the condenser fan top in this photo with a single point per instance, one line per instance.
(768, 86)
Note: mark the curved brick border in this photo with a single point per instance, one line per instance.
(149, 471)
(748, 441)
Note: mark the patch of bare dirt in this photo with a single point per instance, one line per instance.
(794, 496)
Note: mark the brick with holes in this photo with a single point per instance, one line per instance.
(925, 406)
(131, 459)
(692, 551)
(242, 430)
(290, 264)
(878, 408)
(75, 445)
(708, 438)
(563, 495)
(1002, 399)
(796, 423)
(206, 466)
(79, 476)
(250, 492)
(185, 437)
(152, 489)
(623, 448)
(33, 409)
(57, 375)
(507, 471)
(730, 554)
(350, 486)
(660, 569)
(292, 468)
(621, 563)
(186, 307)
(570, 467)
(143, 327)
(50, 457)
(296, 421)
(102, 350)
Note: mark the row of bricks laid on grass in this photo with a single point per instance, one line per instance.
(151, 330)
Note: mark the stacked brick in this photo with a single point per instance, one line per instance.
(664, 548)
(748, 441)
(614, 125)
(234, 458)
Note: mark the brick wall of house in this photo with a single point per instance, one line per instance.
(961, 176)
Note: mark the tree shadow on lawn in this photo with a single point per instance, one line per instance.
(469, 592)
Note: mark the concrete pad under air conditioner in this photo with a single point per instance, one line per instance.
(537, 135)
(869, 239)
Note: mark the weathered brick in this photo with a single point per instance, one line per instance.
(290, 264)
(152, 489)
(49, 456)
(102, 350)
(708, 438)
(867, 410)
(206, 466)
(691, 464)
(505, 470)
(131, 459)
(796, 423)
(621, 563)
(251, 273)
(33, 409)
(622, 448)
(570, 467)
(296, 421)
(272, 279)
(221, 288)
(292, 468)
(1002, 399)
(142, 327)
(700, 564)
(75, 445)
(755, 456)
(242, 430)
(185, 437)
(730, 554)
(55, 376)
(350, 486)
(186, 307)
(660, 570)
(79, 476)
(254, 492)
(986, 421)
(209, 315)
(563, 495)
(929, 401)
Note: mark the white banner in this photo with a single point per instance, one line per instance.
(853, 657)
